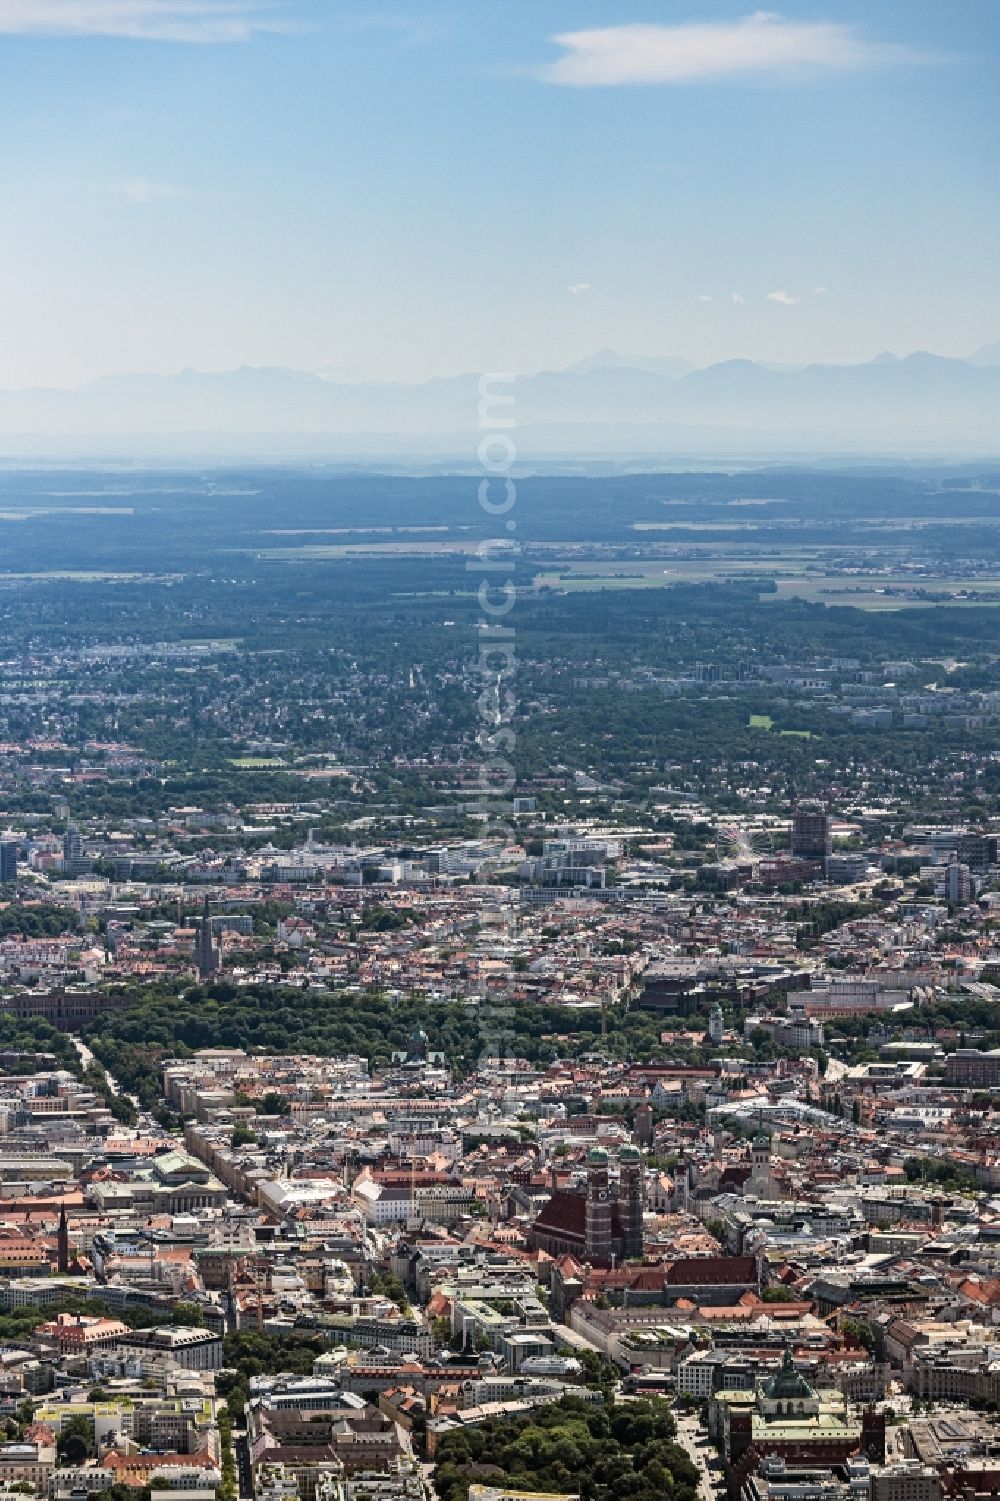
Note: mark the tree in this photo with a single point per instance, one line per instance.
(229, 1489)
(861, 1333)
(626, 1453)
(249, 1354)
(273, 1103)
(119, 1492)
(441, 1329)
(188, 1316)
(390, 1286)
(236, 1403)
(76, 1441)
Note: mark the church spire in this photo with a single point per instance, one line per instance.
(62, 1242)
(206, 955)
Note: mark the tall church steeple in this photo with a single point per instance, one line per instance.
(597, 1222)
(631, 1200)
(206, 955)
(62, 1242)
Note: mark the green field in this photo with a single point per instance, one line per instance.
(818, 573)
(75, 576)
(867, 591)
(765, 722)
(335, 551)
(797, 573)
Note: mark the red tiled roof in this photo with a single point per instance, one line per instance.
(709, 1271)
(565, 1214)
(115, 1461)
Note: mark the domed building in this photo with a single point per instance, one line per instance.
(787, 1394)
(789, 1420)
(418, 1052)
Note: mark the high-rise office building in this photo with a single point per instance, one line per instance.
(8, 862)
(977, 851)
(75, 862)
(957, 883)
(811, 833)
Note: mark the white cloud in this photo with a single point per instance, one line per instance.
(578, 288)
(821, 291)
(785, 298)
(141, 20)
(145, 190)
(705, 297)
(737, 298)
(760, 43)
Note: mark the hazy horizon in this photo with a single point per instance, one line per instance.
(420, 191)
(986, 353)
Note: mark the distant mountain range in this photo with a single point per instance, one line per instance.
(988, 355)
(607, 404)
(657, 364)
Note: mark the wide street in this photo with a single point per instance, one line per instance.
(695, 1441)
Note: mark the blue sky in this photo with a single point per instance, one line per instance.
(438, 186)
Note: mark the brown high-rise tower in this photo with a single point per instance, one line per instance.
(812, 837)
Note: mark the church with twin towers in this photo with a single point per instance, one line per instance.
(600, 1222)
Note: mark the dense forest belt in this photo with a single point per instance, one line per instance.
(178, 521)
(167, 1023)
(24, 1039)
(172, 1022)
